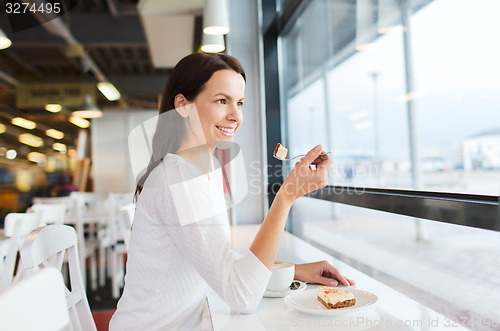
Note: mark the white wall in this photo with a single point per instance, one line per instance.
(243, 43)
(111, 169)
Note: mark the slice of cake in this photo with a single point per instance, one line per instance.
(333, 298)
(280, 152)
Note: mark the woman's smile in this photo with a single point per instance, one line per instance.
(226, 131)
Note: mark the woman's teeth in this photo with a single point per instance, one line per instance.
(228, 130)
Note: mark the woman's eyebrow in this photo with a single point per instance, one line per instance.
(226, 96)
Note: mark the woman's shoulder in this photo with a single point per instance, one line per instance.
(177, 169)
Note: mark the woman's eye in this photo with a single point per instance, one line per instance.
(222, 101)
(240, 104)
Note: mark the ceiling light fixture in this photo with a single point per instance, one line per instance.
(30, 140)
(213, 43)
(109, 91)
(11, 154)
(80, 122)
(88, 110)
(53, 133)
(53, 107)
(24, 123)
(4, 40)
(215, 17)
(36, 157)
(59, 147)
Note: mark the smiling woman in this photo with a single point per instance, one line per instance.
(180, 242)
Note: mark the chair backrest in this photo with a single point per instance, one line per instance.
(90, 199)
(46, 247)
(16, 227)
(50, 213)
(118, 200)
(68, 201)
(125, 220)
(37, 303)
(23, 223)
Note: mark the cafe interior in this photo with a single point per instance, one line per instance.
(403, 94)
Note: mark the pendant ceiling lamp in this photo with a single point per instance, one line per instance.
(4, 40)
(215, 17)
(212, 43)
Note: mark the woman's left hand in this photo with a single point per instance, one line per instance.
(321, 273)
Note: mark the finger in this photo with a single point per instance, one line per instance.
(324, 166)
(342, 279)
(320, 158)
(338, 275)
(351, 282)
(311, 155)
(327, 281)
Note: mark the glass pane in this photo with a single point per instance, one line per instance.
(413, 107)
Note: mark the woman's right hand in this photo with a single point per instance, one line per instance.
(303, 179)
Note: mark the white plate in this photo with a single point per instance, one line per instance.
(307, 302)
(273, 294)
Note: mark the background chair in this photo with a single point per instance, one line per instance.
(120, 247)
(95, 209)
(47, 247)
(16, 227)
(37, 302)
(50, 213)
(75, 216)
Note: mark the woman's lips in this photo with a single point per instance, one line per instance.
(226, 131)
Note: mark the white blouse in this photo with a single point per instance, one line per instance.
(180, 246)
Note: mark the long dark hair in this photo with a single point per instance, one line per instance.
(187, 78)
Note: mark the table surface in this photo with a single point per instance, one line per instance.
(392, 311)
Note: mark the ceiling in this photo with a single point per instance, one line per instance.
(98, 39)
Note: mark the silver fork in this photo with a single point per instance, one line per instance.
(301, 155)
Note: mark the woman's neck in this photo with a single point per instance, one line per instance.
(199, 156)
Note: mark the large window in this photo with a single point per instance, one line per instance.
(426, 118)
(405, 98)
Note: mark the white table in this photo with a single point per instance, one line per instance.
(393, 310)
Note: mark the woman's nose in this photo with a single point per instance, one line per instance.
(234, 113)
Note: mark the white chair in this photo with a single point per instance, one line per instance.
(120, 247)
(107, 233)
(37, 302)
(47, 247)
(50, 213)
(16, 227)
(125, 221)
(75, 216)
(96, 209)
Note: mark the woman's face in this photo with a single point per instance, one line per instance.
(219, 105)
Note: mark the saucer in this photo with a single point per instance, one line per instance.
(280, 294)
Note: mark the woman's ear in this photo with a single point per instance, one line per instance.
(180, 103)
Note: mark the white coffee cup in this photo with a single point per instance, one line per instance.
(281, 276)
